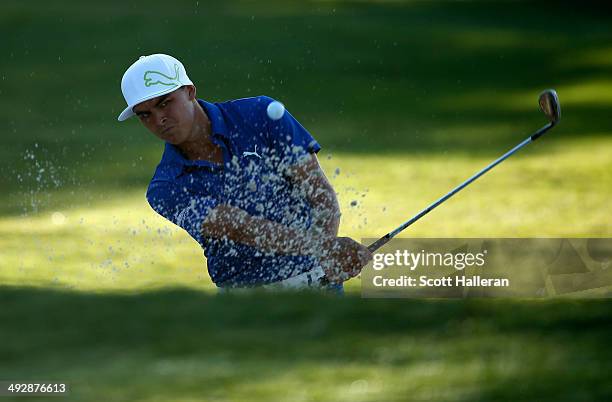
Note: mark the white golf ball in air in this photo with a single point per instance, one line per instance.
(275, 110)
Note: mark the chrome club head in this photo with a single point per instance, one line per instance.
(549, 104)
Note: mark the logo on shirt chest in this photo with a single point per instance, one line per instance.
(253, 153)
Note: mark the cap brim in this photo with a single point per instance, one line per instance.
(128, 112)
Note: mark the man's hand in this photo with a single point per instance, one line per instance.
(343, 258)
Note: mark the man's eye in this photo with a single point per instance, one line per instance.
(164, 104)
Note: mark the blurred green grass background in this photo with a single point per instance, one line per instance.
(407, 99)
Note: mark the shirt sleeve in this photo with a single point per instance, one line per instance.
(290, 141)
(179, 206)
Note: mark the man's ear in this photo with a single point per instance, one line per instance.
(191, 92)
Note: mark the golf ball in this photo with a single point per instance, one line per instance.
(275, 110)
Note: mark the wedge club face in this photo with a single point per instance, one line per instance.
(549, 104)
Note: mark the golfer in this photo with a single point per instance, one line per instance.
(245, 184)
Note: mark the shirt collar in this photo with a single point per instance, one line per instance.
(174, 161)
(217, 121)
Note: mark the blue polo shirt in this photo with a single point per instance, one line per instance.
(256, 154)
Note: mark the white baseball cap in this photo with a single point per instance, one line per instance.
(150, 77)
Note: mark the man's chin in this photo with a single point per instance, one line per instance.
(173, 139)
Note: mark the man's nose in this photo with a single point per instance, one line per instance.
(161, 119)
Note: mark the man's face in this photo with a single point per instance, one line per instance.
(170, 117)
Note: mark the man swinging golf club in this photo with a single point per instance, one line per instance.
(242, 178)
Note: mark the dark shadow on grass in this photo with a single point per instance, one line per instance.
(96, 340)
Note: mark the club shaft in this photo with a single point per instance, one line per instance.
(383, 240)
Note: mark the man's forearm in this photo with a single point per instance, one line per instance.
(237, 225)
(326, 211)
(315, 188)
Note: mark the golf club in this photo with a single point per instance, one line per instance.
(549, 104)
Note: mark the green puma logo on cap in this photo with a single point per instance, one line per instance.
(155, 77)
